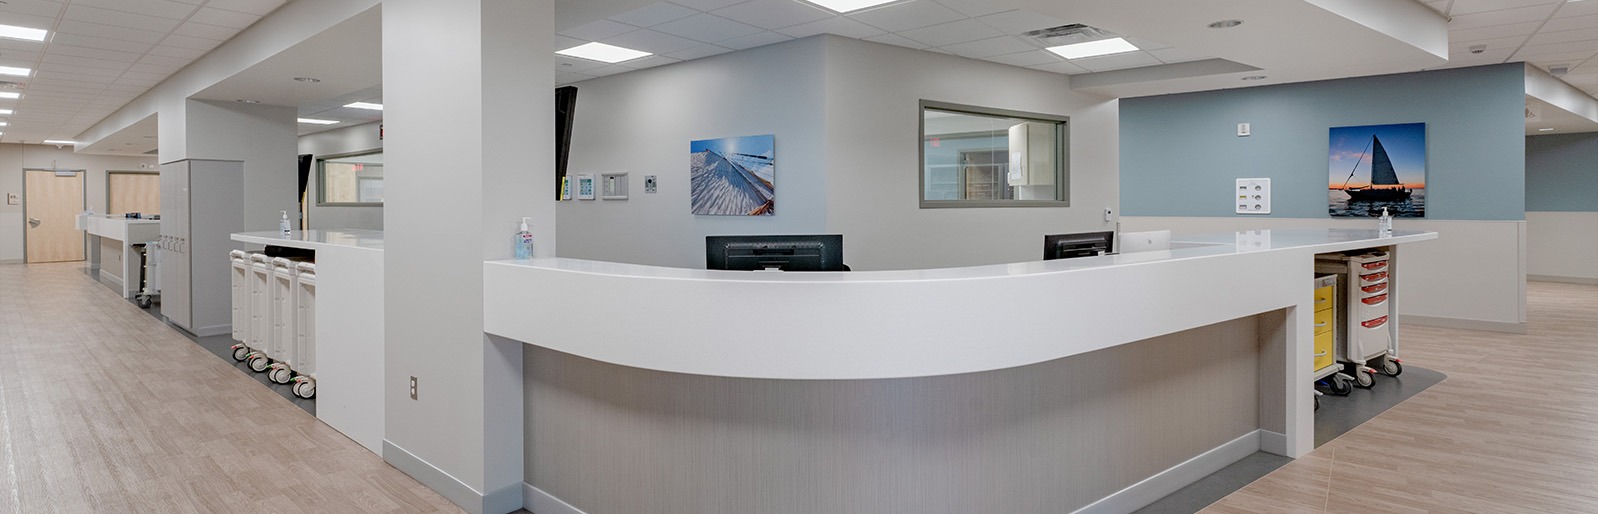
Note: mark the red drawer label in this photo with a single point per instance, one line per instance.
(1374, 323)
(1374, 265)
(1373, 276)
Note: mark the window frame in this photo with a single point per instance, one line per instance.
(321, 179)
(1062, 182)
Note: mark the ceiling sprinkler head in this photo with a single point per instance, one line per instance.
(1476, 49)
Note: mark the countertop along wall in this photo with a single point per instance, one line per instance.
(15, 157)
(362, 138)
(1180, 155)
(1562, 207)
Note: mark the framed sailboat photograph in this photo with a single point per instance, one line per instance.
(1376, 167)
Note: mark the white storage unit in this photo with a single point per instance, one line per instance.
(1367, 339)
(261, 312)
(304, 354)
(202, 204)
(240, 261)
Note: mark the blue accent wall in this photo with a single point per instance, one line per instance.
(1562, 172)
(1180, 154)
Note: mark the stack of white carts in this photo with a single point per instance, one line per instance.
(274, 318)
(1367, 340)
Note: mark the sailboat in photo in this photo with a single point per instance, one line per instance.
(1383, 178)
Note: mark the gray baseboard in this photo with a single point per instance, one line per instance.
(500, 501)
(1586, 281)
(540, 502)
(1465, 324)
(1151, 489)
(11, 261)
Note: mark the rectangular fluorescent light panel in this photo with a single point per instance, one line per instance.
(4, 124)
(59, 142)
(316, 121)
(365, 105)
(18, 72)
(6, 112)
(603, 53)
(10, 94)
(843, 6)
(1093, 48)
(15, 32)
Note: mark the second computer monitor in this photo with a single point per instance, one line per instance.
(821, 252)
(1085, 244)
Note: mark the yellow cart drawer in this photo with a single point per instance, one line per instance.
(1325, 320)
(1323, 349)
(1325, 297)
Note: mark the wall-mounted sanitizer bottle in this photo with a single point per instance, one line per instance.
(283, 224)
(523, 242)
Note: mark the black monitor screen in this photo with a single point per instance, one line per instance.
(1086, 244)
(822, 252)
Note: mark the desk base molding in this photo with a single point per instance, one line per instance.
(1151, 489)
(540, 502)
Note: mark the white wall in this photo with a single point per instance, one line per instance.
(873, 94)
(15, 157)
(642, 122)
(845, 116)
(342, 141)
(263, 136)
(1562, 246)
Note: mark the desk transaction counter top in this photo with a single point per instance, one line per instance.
(317, 239)
(896, 324)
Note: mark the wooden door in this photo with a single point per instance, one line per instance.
(51, 204)
(129, 191)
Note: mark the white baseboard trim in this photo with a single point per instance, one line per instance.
(1589, 281)
(1272, 442)
(540, 502)
(1465, 324)
(500, 501)
(1151, 489)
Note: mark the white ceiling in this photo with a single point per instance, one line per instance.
(101, 54)
(1545, 33)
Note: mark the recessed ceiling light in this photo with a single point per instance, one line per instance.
(1254, 77)
(316, 121)
(19, 72)
(603, 53)
(1093, 48)
(1225, 24)
(59, 142)
(243, 101)
(365, 105)
(4, 112)
(10, 95)
(843, 6)
(1546, 129)
(307, 79)
(15, 32)
(4, 124)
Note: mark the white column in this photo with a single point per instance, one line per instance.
(469, 115)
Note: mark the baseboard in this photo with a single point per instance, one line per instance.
(214, 330)
(540, 502)
(1586, 281)
(11, 261)
(1151, 489)
(500, 501)
(1464, 324)
(1274, 443)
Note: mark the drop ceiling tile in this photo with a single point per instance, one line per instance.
(973, 8)
(225, 18)
(107, 32)
(154, 77)
(176, 52)
(952, 33)
(46, 8)
(1028, 58)
(1503, 17)
(607, 71)
(1464, 59)
(698, 52)
(754, 40)
(707, 28)
(12, 45)
(1576, 8)
(28, 57)
(1564, 36)
(1018, 22)
(650, 41)
(67, 75)
(1146, 44)
(120, 18)
(1060, 67)
(648, 62)
(1441, 6)
(1117, 61)
(598, 30)
(563, 42)
(91, 53)
(897, 40)
(192, 43)
(1494, 31)
(773, 14)
(1560, 48)
(1572, 23)
(1176, 55)
(988, 47)
(838, 25)
(57, 58)
(572, 64)
(654, 14)
(1503, 42)
(905, 16)
(562, 79)
(27, 20)
(164, 61)
(256, 7)
(98, 43)
(81, 70)
(1477, 6)
(1570, 57)
(201, 30)
(706, 5)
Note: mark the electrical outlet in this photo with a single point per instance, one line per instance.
(649, 183)
(413, 388)
(11, 198)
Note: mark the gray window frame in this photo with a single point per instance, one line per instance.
(1062, 183)
(321, 180)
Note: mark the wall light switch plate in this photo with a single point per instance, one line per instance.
(613, 186)
(1242, 130)
(11, 199)
(585, 187)
(1252, 196)
(649, 183)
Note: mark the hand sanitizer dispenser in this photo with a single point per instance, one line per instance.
(523, 242)
(283, 224)
(1384, 225)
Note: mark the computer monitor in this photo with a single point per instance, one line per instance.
(821, 252)
(1132, 242)
(1086, 244)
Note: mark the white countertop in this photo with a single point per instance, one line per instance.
(317, 239)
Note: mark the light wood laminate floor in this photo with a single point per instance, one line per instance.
(105, 409)
(1514, 428)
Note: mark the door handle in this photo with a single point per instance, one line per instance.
(34, 222)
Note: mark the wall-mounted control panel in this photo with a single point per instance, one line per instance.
(584, 187)
(1252, 196)
(613, 186)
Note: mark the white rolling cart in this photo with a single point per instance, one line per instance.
(261, 312)
(304, 353)
(280, 342)
(1366, 341)
(240, 261)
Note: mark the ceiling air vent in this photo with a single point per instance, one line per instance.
(6, 84)
(1069, 34)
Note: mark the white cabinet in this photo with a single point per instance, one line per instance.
(202, 203)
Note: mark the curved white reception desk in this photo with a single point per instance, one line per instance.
(1095, 384)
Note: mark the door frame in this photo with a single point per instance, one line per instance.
(83, 206)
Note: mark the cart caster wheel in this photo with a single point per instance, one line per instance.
(1363, 380)
(1392, 368)
(305, 389)
(143, 301)
(281, 375)
(1340, 386)
(240, 352)
(259, 363)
